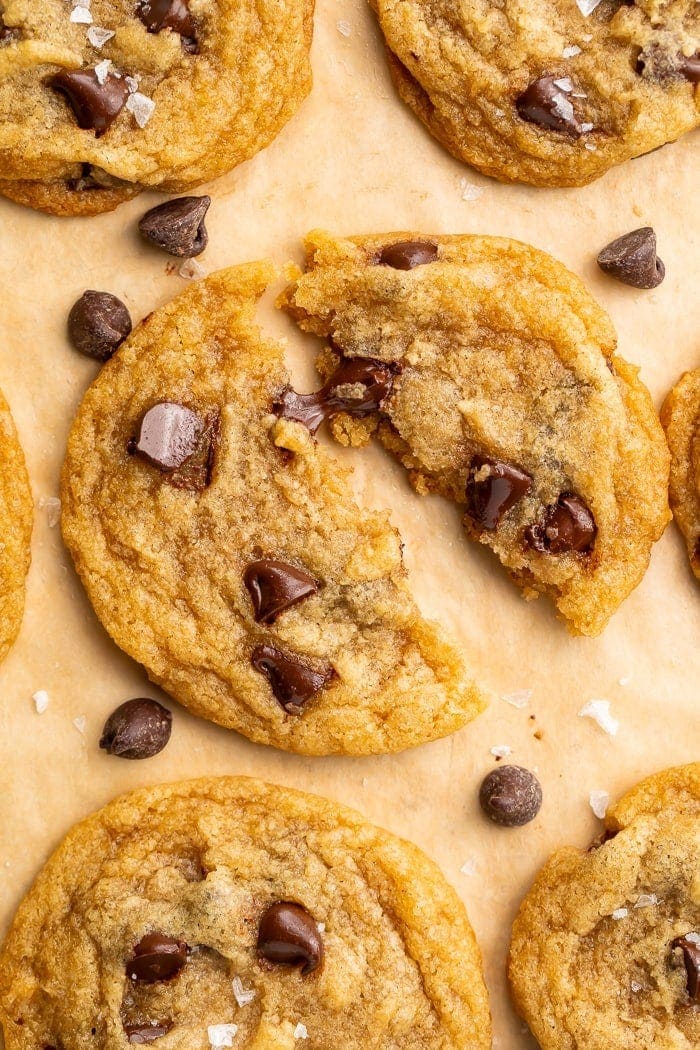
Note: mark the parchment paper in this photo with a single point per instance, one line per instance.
(355, 160)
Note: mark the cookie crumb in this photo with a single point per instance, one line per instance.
(242, 995)
(98, 37)
(301, 1031)
(141, 106)
(344, 28)
(520, 698)
(41, 701)
(53, 509)
(599, 802)
(599, 711)
(80, 722)
(221, 1035)
(619, 913)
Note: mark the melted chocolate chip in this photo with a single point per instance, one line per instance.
(568, 526)
(98, 324)
(177, 226)
(375, 378)
(510, 796)
(665, 65)
(690, 67)
(95, 105)
(275, 586)
(406, 255)
(156, 957)
(691, 958)
(545, 103)
(170, 14)
(168, 435)
(289, 935)
(147, 1033)
(137, 729)
(493, 487)
(632, 259)
(292, 681)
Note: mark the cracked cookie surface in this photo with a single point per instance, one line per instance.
(16, 515)
(606, 944)
(159, 94)
(535, 91)
(506, 396)
(680, 416)
(198, 865)
(222, 548)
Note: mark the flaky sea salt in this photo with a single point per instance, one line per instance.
(590, 146)
(132, 83)
(599, 801)
(571, 51)
(646, 900)
(243, 996)
(80, 722)
(520, 698)
(220, 1035)
(694, 938)
(469, 191)
(301, 1031)
(41, 701)
(501, 751)
(321, 927)
(620, 913)
(53, 509)
(469, 867)
(141, 106)
(102, 71)
(81, 15)
(191, 270)
(585, 127)
(599, 711)
(636, 986)
(564, 84)
(98, 37)
(587, 7)
(344, 28)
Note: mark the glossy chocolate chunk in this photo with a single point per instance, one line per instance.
(632, 259)
(177, 226)
(196, 472)
(548, 105)
(156, 957)
(690, 67)
(98, 324)
(95, 105)
(493, 487)
(275, 586)
(138, 728)
(691, 958)
(372, 379)
(293, 682)
(168, 435)
(170, 14)
(568, 526)
(146, 1033)
(289, 935)
(406, 255)
(510, 796)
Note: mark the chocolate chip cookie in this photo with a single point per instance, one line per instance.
(550, 93)
(228, 907)
(102, 98)
(222, 547)
(491, 374)
(680, 416)
(606, 947)
(16, 514)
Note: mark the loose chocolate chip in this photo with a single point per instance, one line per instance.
(690, 67)
(293, 682)
(170, 14)
(511, 796)
(691, 958)
(275, 586)
(95, 105)
(568, 526)
(177, 226)
(147, 1033)
(156, 957)
(289, 935)
(372, 382)
(493, 487)
(546, 103)
(632, 259)
(98, 324)
(137, 729)
(168, 435)
(406, 255)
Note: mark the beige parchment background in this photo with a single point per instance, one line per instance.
(355, 160)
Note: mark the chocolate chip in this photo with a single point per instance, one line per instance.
(373, 382)
(568, 526)
(275, 586)
(170, 14)
(632, 259)
(511, 796)
(146, 1033)
(196, 472)
(8, 33)
(98, 324)
(691, 958)
(137, 729)
(84, 181)
(406, 255)
(95, 105)
(547, 104)
(289, 935)
(690, 67)
(293, 682)
(177, 226)
(168, 435)
(156, 957)
(493, 487)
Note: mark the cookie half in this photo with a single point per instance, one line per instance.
(222, 548)
(99, 101)
(606, 945)
(552, 95)
(503, 393)
(16, 517)
(219, 902)
(680, 416)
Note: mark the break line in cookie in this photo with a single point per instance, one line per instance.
(16, 518)
(680, 416)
